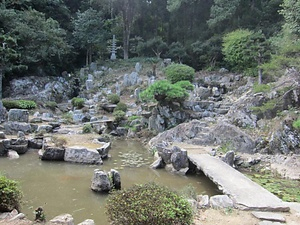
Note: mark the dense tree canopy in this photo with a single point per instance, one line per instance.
(57, 35)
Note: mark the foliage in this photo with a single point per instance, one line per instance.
(19, 104)
(177, 52)
(185, 85)
(51, 105)
(179, 72)
(291, 13)
(296, 124)
(269, 105)
(285, 189)
(245, 50)
(113, 98)
(77, 102)
(132, 118)
(68, 117)
(89, 32)
(87, 128)
(164, 92)
(148, 204)
(154, 46)
(10, 194)
(121, 106)
(261, 88)
(119, 115)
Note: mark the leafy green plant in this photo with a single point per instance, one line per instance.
(51, 105)
(296, 124)
(19, 104)
(10, 194)
(132, 118)
(68, 117)
(179, 72)
(119, 115)
(269, 105)
(148, 204)
(87, 128)
(77, 102)
(121, 106)
(164, 92)
(261, 88)
(59, 141)
(113, 98)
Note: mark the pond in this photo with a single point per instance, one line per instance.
(61, 187)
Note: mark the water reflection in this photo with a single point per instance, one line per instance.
(61, 187)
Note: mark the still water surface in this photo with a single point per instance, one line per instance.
(61, 187)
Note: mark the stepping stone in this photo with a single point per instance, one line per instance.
(269, 216)
(265, 222)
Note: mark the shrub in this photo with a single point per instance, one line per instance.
(179, 72)
(132, 118)
(148, 204)
(51, 105)
(119, 115)
(121, 106)
(296, 124)
(19, 104)
(164, 92)
(113, 98)
(261, 88)
(77, 102)
(68, 117)
(10, 194)
(185, 85)
(87, 128)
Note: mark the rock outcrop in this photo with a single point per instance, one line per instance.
(79, 154)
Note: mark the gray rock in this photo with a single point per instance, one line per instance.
(203, 201)
(13, 127)
(78, 154)
(89, 84)
(20, 145)
(52, 153)
(229, 158)
(18, 115)
(179, 159)
(116, 179)
(2, 135)
(269, 223)
(12, 154)
(3, 112)
(64, 219)
(3, 149)
(130, 80)
(157, 164)
(221, 201)
(87, 222)
(269, 216)
(100, 181)
(193, 204)
(35, 143)
(17, 217)
(44, 129)
(103, 151)
(138, 67)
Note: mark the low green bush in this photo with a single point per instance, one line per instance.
(261, 88)
(113, 98)
(87, 128)
(179, 72)
(51, 105)
(77, 102)
(119, 115)
(19, 104)
(121, 106)
(10, 194)
(148, 204)
(164, 92)
(296, 124)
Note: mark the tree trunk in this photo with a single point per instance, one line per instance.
(87, 58)
(259, 76)
(1, 77)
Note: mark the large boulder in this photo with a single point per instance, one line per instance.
(79, 154)
(101, 181)
(52, 153)
(20, 145)
(199, 133)
(18, 115)
(3, 112)
(13, 128)
(104, 149)
(3, 149)
(64, 219)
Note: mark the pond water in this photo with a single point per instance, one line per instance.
(61, 187)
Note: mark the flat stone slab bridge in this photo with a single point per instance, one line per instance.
(246, 194)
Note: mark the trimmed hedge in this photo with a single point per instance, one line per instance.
(19, 104)
(179, 72)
